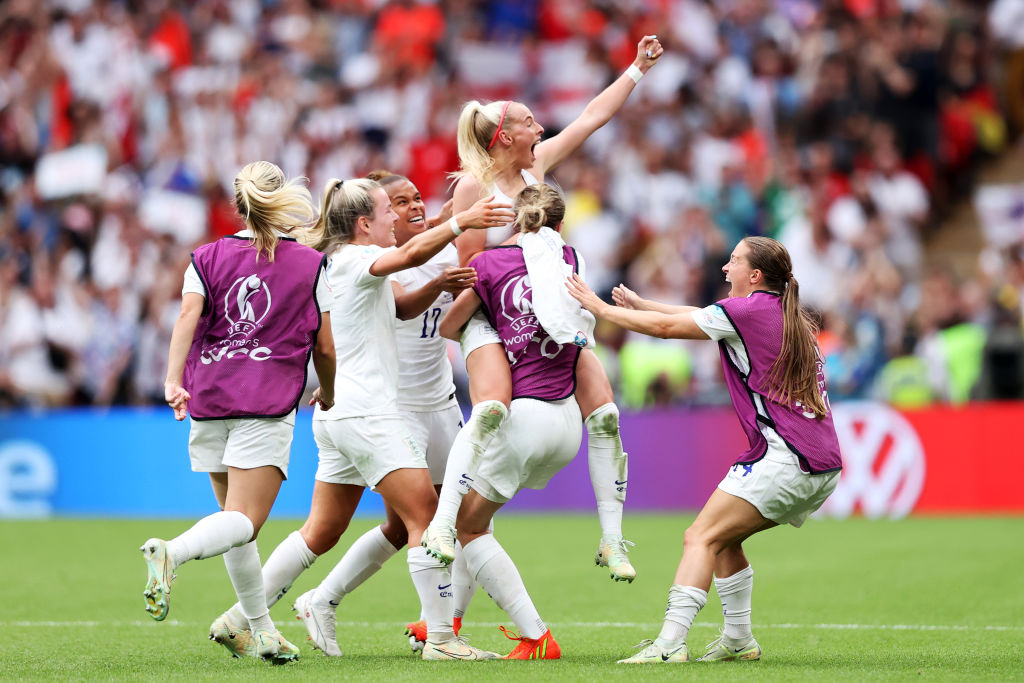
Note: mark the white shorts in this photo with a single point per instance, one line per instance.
(244, 443)
(434, 432)
(363, 450)
(778, 488)
(478, 332)
(538, 439)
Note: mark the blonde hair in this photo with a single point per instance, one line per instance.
(342, 204)
(477, 125)
(537, 206)
(270, 204)
(793, 377)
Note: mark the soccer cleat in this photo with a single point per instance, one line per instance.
(439, 541)
(158, 585)
(457, 648)
(544, 647)
(417, 632)
(611, 553)
(719, 650)
(319, 623)
(652, 653)
(233, 636)
(272, 647)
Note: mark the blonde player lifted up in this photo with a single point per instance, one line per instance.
(501, 152)
(774, 373)
(253, 307)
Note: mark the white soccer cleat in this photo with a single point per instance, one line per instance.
(235, 637)
(652, 653)
(272, 647)
(439, 540)
(457, 648)
(611, 553)
(161, 574)
(723, 650)
(319, 623)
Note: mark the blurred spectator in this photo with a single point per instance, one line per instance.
(839, 128)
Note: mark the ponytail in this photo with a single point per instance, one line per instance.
(537, 206)
(270, 204)
(793, 377)
(478, 125)
(342, 204)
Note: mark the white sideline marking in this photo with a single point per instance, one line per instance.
(557, 624)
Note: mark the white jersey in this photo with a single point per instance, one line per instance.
(499, 234)
(362, 320)
(424, 372)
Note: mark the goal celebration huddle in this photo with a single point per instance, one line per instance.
(367, 286)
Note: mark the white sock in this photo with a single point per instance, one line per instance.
(211, 536)
(734, 592)
(608, 469)
(491, 566)
(463, 582)
(683, 604)
(243, 564)
(361, 561)
(434, 585)
(470, 443)
(290, 558)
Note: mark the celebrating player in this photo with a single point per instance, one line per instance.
(774, 373)
(542, 432)
(501, 152)
(363, 440)
(253, 307)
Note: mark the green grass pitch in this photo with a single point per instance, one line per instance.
(920, 599)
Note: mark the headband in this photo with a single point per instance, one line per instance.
(500, 121)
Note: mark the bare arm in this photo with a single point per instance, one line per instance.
(410, 303)
(325, 363)
(466, 304)
(468, 244)
(485, 213)
(181, 341)
(680, 325)
(599, 111)
(626, 298)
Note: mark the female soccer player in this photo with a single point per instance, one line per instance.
(254, 305)
(542, 432)
(501, 152)
(363, 439)
(426, 399)
(774, 372)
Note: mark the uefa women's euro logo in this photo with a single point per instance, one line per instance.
(248, 299)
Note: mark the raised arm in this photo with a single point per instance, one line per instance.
(181, 341)
(466, 304)
(485, 213)
(598, 111)
(677, 325)
(626, 298)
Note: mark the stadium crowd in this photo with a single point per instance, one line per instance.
(845, 128)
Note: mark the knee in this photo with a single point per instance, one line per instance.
(320, 537)
(604, 420)
(693, 537)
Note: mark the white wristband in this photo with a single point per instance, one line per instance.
(454, 225)
(635, 73)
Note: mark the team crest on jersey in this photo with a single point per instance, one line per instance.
(517, 302)
(246, 305)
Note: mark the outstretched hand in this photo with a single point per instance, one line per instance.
(486, 213)
(177, 398)
(625, 297)
(648, 50)
(446, 213)
(453, 280)
(582, 293)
